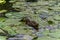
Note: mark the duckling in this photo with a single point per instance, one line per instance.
(30, 23)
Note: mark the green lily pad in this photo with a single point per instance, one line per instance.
(55, 34)
(3, 11)
(9, 30)
(2, 1)
(46, 38)
(2, 19)
(57, 17)
(3, 37)
(15, 15)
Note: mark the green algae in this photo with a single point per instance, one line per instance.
(33, 10)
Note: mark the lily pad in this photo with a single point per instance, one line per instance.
(3, 37)
(57, 17)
